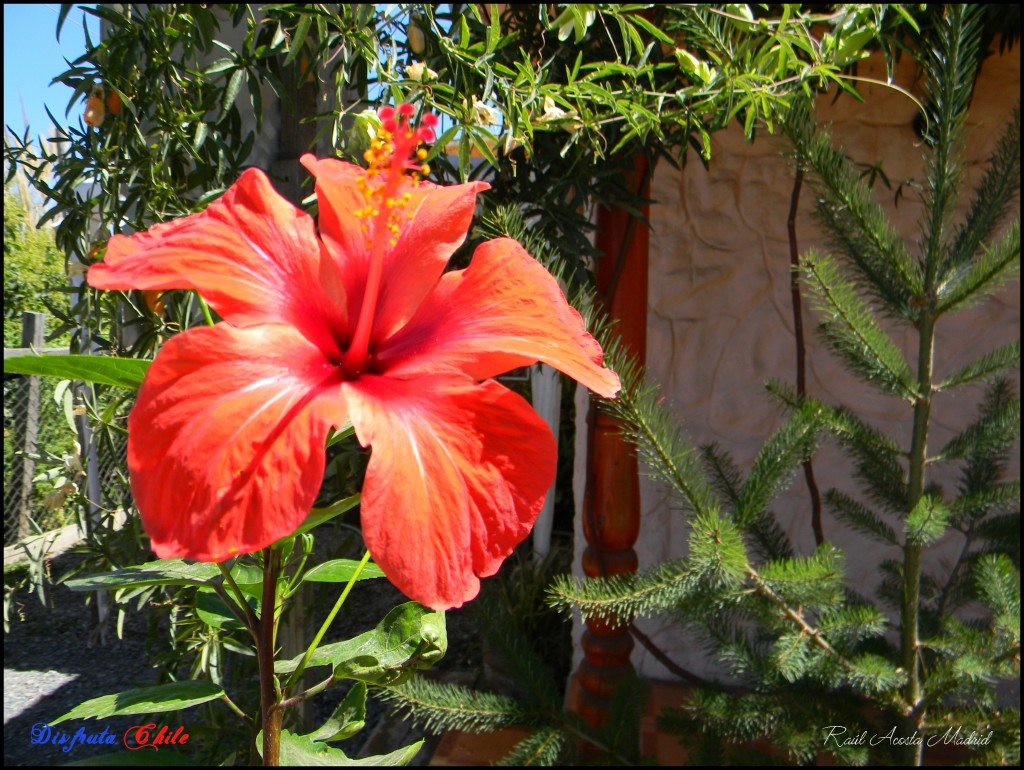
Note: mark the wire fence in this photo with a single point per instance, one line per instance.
(54, 464)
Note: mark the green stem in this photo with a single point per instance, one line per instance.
(909, 632)
(270, 690)
(206, 310)
(235, 709)
(249, 620)
(294, 678)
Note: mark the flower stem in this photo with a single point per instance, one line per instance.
(206, 310)
(294, 678)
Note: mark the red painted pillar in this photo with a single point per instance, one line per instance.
(611, 505)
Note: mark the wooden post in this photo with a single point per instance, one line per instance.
(33, 335)
(611, 506)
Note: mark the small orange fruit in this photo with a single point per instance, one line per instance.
(154, 301)
(114, 103)
(94, 109)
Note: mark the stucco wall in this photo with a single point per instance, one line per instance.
(720, 320)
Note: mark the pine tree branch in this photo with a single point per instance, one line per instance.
(653, 429)
(991, 199)
(854, 334)
(859, 228)
(813, 634)
(988, 365)
(620, 598)
(972, 281)
(439, 706)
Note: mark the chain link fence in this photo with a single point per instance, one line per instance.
(47, 462)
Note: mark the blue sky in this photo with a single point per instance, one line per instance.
(32, 57)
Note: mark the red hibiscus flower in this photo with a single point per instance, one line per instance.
(357, 322)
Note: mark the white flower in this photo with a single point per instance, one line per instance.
(555, 114)
(484, 115)
(419, 72)
(552, 111)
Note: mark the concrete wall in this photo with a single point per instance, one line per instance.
(720, 319)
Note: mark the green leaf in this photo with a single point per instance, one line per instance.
(653, 30)
(231, 92)
(202, 130)
(122, 372)
(158, 699)
(410, 637)
(65, 9)
(301, 751)
(341, 571)
(348, 718)
(299, 37)
(318, 516)
(212, 610)
(167, 572)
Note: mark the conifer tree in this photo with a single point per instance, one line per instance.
(811, 654)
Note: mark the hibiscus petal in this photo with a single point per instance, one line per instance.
(440, 218)
(503, 311)
(456, 479)
(252, 255)
(226, 440)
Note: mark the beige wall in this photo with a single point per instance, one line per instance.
(720, 319)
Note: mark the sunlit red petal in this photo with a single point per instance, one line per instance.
(440, 218)
(503, 311)
(252, 255)
(226, 440)
(456, 478)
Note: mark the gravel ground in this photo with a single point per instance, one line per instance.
(50, 667)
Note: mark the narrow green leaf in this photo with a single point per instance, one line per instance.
(168, 572)
(123, 372)
(639, 20)
(231, 92)
(341, 571)
(299, 37)
(318, 516)
(157, 699)
(65, 9)
(202, 129)
(212, 610)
